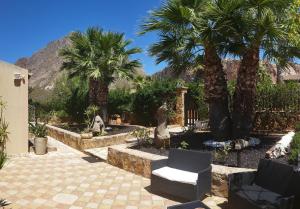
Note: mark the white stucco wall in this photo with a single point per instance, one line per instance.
(15, 95)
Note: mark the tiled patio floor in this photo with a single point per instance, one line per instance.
(69, 179)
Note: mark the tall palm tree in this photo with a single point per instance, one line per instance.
(99, 57)
(195, 32)
(189, 39)
(261, 28)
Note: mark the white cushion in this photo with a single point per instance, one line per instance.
(177, 175)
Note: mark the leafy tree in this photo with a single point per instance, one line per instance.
(119, 101)
(69, 98)
(99, 57)
(148, 99)
(141, 81)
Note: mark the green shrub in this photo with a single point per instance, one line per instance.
(143, 137)
(119, 101)
(149, 98)
(297, 127)
(183, 145)
(68, 99)
(295, 149)
(71, 96)
(283, 97)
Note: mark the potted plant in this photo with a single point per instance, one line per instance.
(117, 118)
(40, 139)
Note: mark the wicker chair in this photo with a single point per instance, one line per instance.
(268, 188)
(185, 174)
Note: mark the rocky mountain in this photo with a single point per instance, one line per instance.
(231, 67)
(45, 64)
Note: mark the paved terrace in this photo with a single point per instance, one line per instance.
(70, 179)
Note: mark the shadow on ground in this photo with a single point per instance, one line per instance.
(91, 159)
(164, 195)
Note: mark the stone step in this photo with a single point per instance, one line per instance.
(131, 140)
(100, 153)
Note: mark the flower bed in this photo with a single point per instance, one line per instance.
(81, 143)
(249, 157)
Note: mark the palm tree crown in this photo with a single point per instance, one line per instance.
(99, 55)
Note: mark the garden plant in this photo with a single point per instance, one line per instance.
(197, 34)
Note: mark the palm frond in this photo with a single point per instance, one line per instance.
(98, 54)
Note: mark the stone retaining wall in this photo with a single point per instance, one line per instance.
(139, 162)
(67, 137)
(76, 141)
(131, 160)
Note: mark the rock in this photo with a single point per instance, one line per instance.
(161, 133)
(241, 143)
(216, 144)
(98, 125)
(281, 147)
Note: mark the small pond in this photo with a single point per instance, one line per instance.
(249, 157)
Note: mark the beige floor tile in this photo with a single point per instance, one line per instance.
(63, 180)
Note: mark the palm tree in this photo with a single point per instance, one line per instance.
(261, 28)
(195, 32)
(99, 57)
(188, 39)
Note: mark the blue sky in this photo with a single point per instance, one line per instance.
(28, 25)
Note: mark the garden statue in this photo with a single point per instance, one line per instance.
(98, 125)
(161, 133)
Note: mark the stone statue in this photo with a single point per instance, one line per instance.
(161, 133)
(98, 125)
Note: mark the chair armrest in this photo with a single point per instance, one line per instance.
(236, 180)
(158, 164)
(204, 173)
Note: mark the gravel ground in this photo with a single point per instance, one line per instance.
(249, 157)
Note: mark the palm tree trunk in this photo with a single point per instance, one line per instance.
(245, 94)
(279, 77)
(102, 100)
(216, 94)
(93, 89)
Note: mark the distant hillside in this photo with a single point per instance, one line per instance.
(44, 64)
(230, 67)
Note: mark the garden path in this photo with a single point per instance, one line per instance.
(70, 179)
